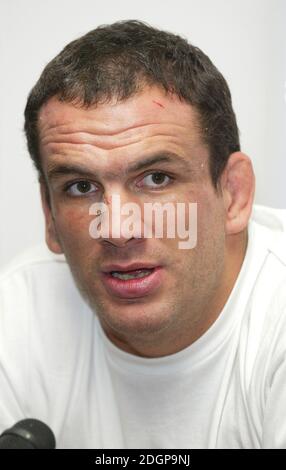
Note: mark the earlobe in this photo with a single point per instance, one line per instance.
(50, 228)
(238, 186)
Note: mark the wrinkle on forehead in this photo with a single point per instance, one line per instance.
(115, 117)
(134, 126)
(91, 136)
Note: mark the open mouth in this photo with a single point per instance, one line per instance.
(133, 283)
(135, 274)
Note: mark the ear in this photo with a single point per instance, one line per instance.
(238, 187)
(52, 239)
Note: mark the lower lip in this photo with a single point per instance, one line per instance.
(131, 288)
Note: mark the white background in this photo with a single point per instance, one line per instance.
(246, 40)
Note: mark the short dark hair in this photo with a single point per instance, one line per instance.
(117, 60)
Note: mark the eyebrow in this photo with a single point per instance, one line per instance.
(61, 169)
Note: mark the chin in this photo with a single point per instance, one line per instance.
(134, 318)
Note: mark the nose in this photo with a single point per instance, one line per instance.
(119, 221)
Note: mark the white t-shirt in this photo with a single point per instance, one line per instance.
(226, 390)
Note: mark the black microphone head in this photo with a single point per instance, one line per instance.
(28, 434)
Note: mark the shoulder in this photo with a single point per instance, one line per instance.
(269, 226)
(264, 321)
(37, 255)
(43, 318)
(35, 287)
(33, 269)
(267, 231)
(264, 332)
(45, 329)
(28, 279)
(268, 302)
(267, 240)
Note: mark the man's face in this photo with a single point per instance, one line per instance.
(105, 141)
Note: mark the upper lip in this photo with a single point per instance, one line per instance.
(128, 267)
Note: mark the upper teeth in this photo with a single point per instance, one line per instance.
(138, 273)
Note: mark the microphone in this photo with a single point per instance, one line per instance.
(28, 434)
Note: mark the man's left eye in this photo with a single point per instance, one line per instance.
(155, 180)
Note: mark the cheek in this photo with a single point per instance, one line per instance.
(211, 219)
(73, 227)
(210, 224)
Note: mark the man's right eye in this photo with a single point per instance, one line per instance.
(79, 188)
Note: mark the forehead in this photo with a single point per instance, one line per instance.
(150, 106)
